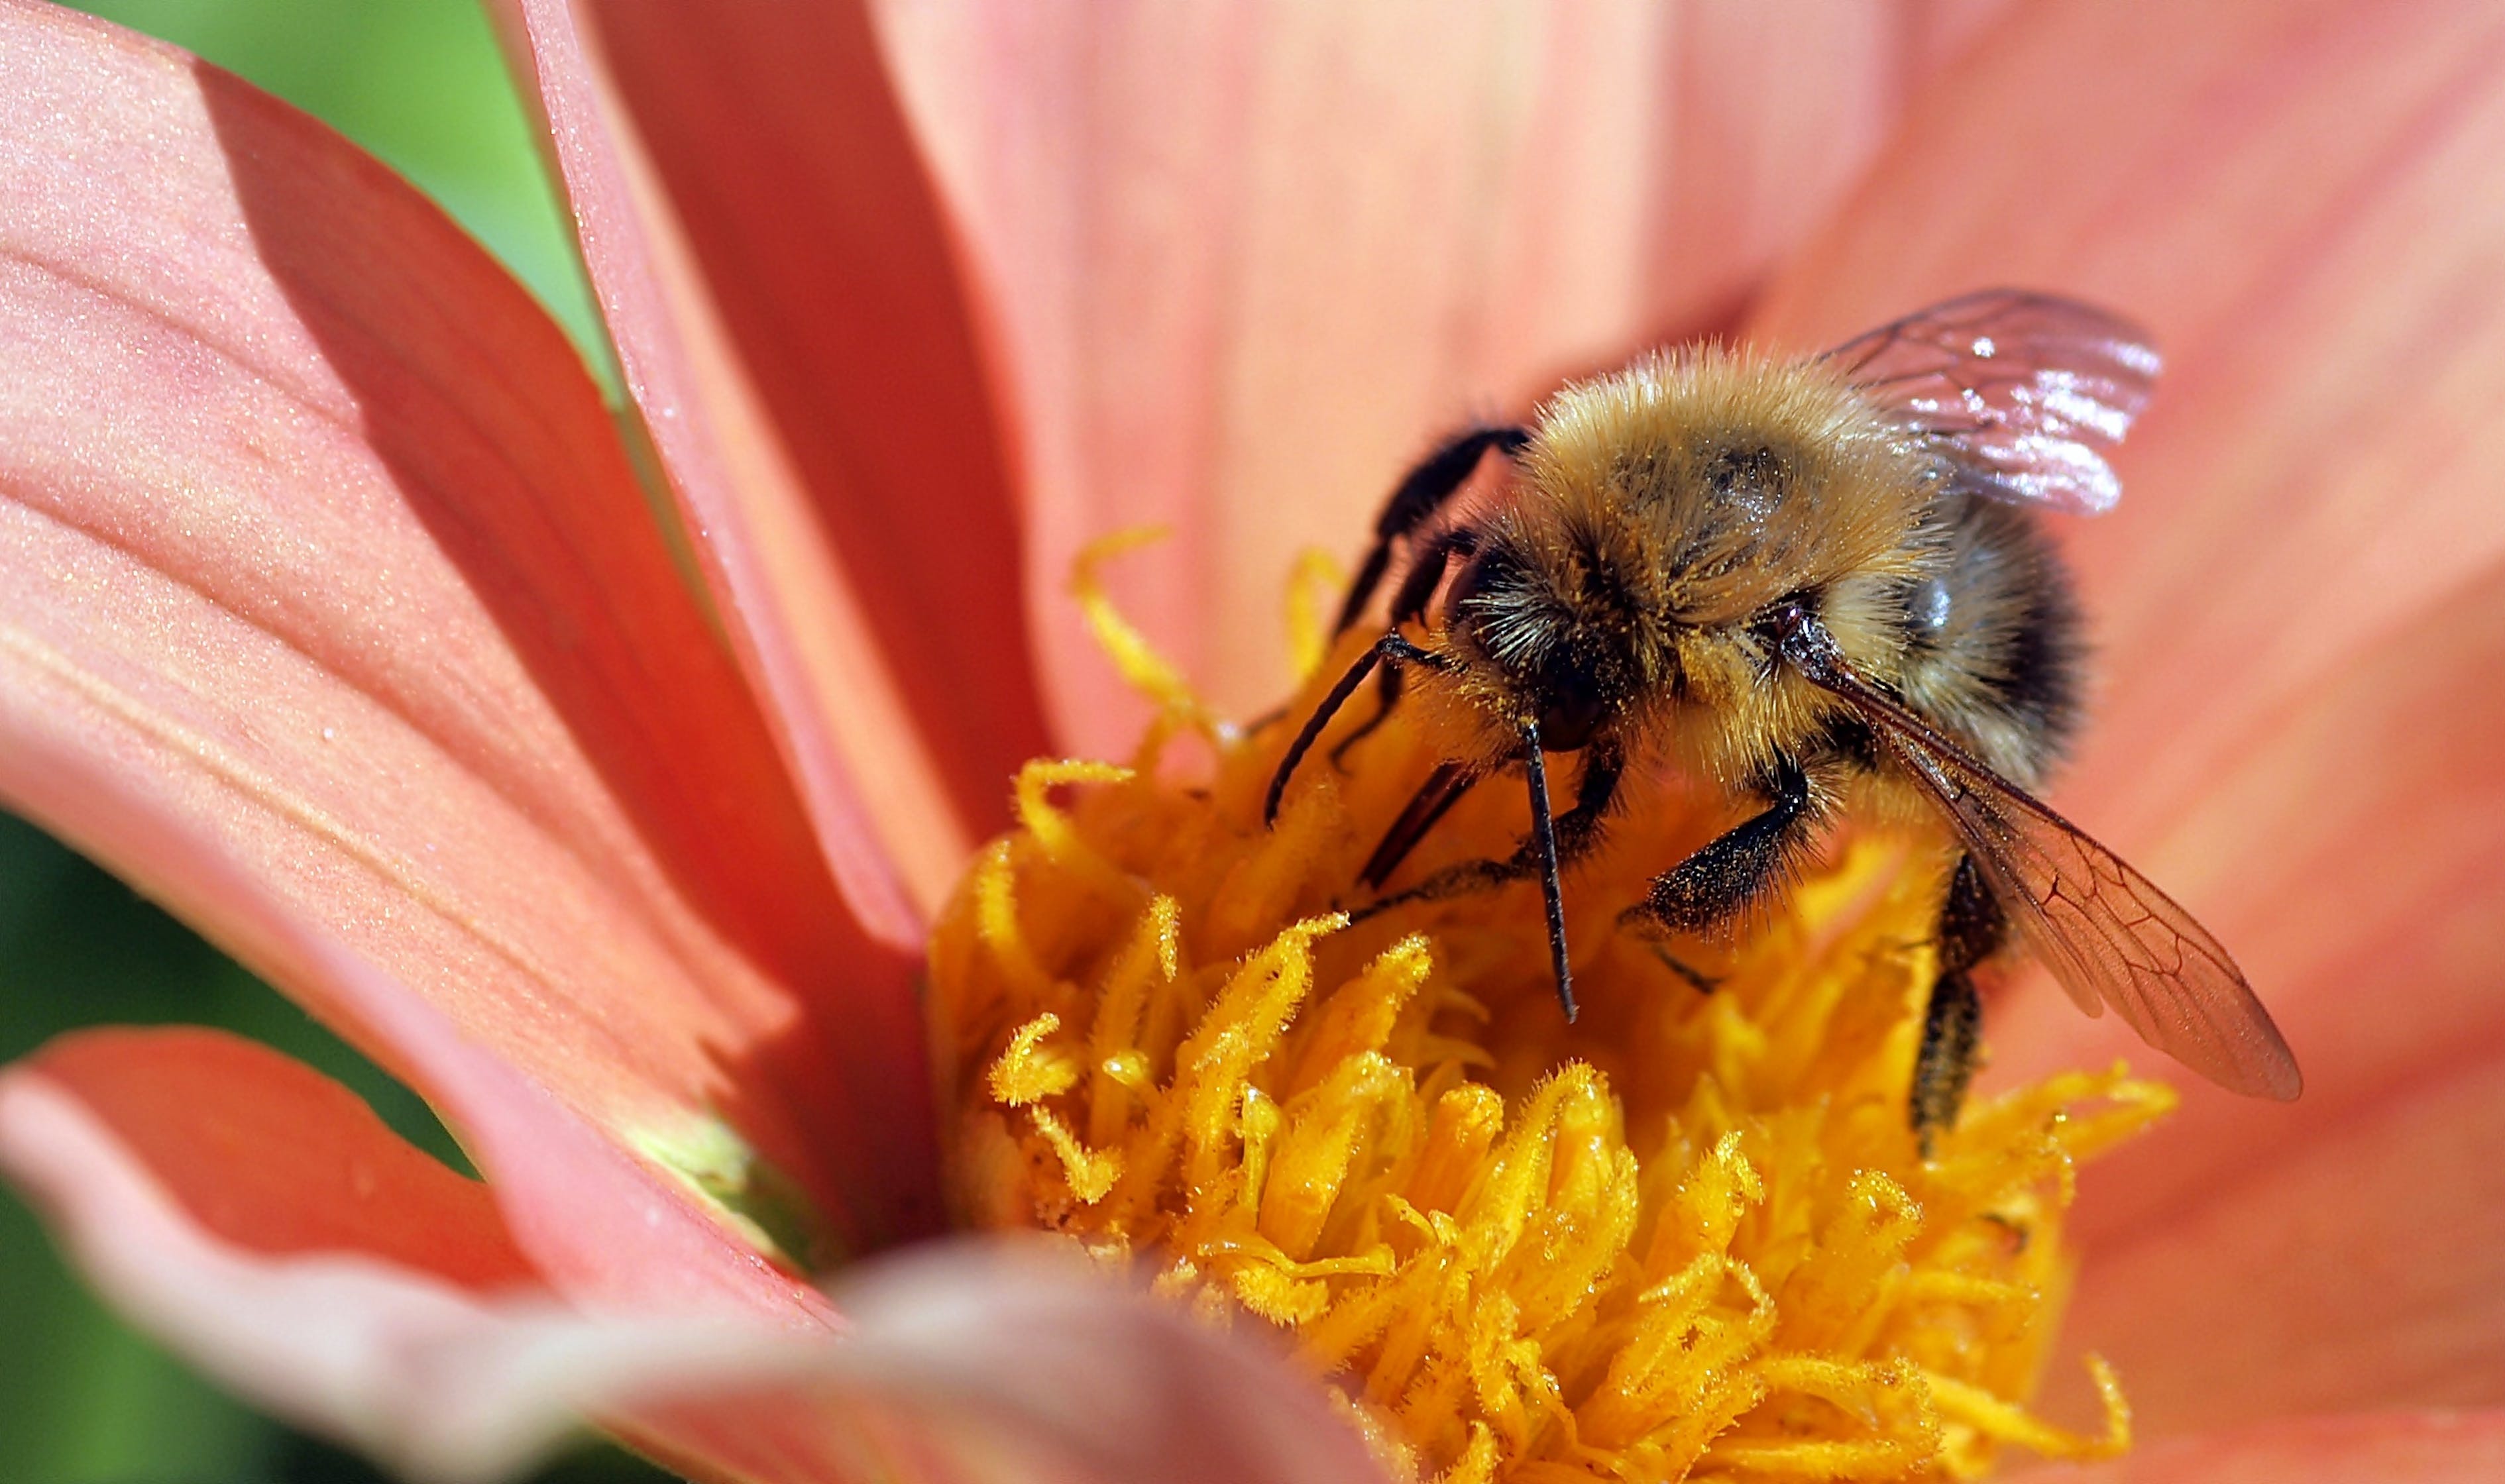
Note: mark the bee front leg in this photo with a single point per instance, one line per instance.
(1391, 649)
(1555, 844)
(1972, 928)
(1578, 832)
(1740, 868)
(1422, 491)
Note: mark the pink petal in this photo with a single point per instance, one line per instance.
(779, 139)
(307, 1303)
(2392, 1448)
(604, 1226)
(346, 1344)
(1249, 260)
(1001, 1355)
(1939, 33)
(846, 484)
(2355, 859)
(321, 570)
(301, 1255)
(264, 1154)
(2301, 604)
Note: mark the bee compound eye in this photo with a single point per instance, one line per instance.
(1566, 723)
(1783, 619)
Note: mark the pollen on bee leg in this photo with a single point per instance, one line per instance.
(1689, 1235)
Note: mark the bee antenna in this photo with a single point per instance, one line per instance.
(1391, 649)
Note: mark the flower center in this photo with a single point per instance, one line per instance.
(1691, 1232)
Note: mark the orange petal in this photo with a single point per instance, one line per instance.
(264, 1154)
(2361, 1268)
(846, 483)
(2389, 1448)
(328, 612)
(1249, 260)
(262, 1247)
(2301, 203)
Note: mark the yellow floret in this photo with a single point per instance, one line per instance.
(1690, 1236)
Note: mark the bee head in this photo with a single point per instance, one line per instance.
(1554, 621)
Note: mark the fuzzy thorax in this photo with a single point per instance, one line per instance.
(1689, 1235)
(1660, 511)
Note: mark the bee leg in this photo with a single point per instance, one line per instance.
(1738, 868)
(1387, 695)
(1433, 799)
(1556, 843)
(1578, 831)
(1422, 492)
(1952, 1025)
(1697, 978)
(1391, 649)
(1972, 928)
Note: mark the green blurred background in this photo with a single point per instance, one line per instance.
(84, 1399)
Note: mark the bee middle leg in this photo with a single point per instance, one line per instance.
(1576, 832)
(1741, 867)
(1972, 928)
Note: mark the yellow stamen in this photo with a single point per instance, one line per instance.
(1690, 1234)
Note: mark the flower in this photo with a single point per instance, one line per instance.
(1689, 1233)
(331, 617)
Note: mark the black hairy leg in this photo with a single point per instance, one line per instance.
(1578, 832)
(1737, 868)
(1421, 492)
(1435, 798)
(1552, 885)
(1972, 928)
(1426, 573)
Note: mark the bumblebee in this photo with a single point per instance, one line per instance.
(1820, 583)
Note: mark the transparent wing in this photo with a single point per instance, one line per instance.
(2023, 392)
(2105, 930)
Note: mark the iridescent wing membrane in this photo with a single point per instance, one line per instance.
(2107, 932)
(2024, 392)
